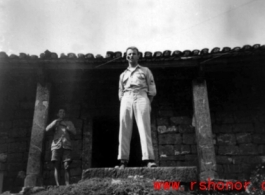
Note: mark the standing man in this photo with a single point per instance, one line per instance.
(61, 146)
(136, 91)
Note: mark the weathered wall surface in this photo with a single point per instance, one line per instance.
(173, 113)
(91, 98)
(238, 116)
(18, 91)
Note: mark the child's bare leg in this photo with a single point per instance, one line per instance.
(56, 172)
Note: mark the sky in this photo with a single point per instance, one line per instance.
(98, 26)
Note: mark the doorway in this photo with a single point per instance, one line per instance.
(105, 143)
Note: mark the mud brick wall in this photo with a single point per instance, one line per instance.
(18, 91)
(236, 99)
(176, 142)
(238, 116)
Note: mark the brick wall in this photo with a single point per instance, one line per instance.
(238, 116)
(236, 104)
(173, 114)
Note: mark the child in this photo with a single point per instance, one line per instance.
(61, 146)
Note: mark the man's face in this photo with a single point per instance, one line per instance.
(61, 113)
(132, 56)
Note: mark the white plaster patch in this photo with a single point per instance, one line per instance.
(36, 103)
(208, 163)
(231, 160)
(163, 155)
(45, 103)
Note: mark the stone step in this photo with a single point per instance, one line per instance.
(182, 174)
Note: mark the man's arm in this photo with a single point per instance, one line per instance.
(51, 125)
(121, 86)
(151, 84)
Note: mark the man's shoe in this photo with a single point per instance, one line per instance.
(123, 165)
(151, 164)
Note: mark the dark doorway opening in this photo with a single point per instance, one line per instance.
(106, 140)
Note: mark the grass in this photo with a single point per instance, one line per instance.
(109, 186)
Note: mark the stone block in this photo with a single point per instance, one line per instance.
(226, 139)
(168, 163)
(181, 120)
(184, 174)
(248, 149)
(249, 160)
(16, 166)
(24, 114)
(162, 121)
(224, 160)
(187, 163)
(219, 168)
(243, 138)
(75, 179)
(3, 157)
(162, 129)
(186, 129)
(166, 150)
(2, 166)
(193, 149)
(242, 176)
(174, 158)
(243, 128)
(243, 117)
(22, 123)
(259, 127)
(228, 150)
(3, 139)
(224, 117)
(5, 125)
(258, 138)
(172, 129)
(27, 105)
(189, 138)
(245, 168)
(15, 157)
(166, 113)
(228, 168)
(222, 128)
(191, 157)
(19, 132)
(185, 149)
(4, 133)
(230, 176)
(3, 148)
(177, 149)
(170, 139)
(18, 147)
(76, 171)
(261, 149)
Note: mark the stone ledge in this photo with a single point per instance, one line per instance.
(183, 174)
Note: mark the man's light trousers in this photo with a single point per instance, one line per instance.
(138, 104)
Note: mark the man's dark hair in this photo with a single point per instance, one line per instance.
(133, 48)
(61, 108)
